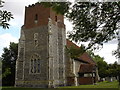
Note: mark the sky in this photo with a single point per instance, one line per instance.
(17, 7)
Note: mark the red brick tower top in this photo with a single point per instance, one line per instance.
(37, 15)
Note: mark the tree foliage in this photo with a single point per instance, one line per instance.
(59, 7)
(94, 22)
(75, 52)
(117, 52)
(101, 64)
(105, 69)
(9, 58)
(5, 17)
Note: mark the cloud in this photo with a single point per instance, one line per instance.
(114, 41)
(106, 52)
(5, 40)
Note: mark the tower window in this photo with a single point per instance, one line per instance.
(56, 18)
(36, 39)
(36, 18)
(35, 66)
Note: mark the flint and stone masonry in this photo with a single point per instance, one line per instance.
(41, 52)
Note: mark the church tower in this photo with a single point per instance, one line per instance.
(41, 51)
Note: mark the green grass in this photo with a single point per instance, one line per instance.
(104, 84)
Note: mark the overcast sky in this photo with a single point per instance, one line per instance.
(17, 7)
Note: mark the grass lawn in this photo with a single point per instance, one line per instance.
(104, 84)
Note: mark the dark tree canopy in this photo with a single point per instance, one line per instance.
(105, 69)
(9, 58)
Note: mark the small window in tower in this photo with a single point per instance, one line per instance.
(56, 18)
(36, 18)
(36, 39)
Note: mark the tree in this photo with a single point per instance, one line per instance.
(113, 69)
(94, 22)
(117, 52)
(5, 17)
(75, 52)
(101, 64)
(9, 58)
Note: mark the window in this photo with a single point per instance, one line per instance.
(35, 66)
(56, 18)
(36, 39)
(36, 18)
(35, 36)
(36, 42)
(38, 66)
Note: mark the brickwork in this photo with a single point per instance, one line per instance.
(85, 80)
(43, 14)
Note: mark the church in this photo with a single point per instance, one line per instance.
(42, 59)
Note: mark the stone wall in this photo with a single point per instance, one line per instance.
(30, 51)
(61, 50)
(41, 54)
(56, 55)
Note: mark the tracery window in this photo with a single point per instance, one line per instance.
(35, 65)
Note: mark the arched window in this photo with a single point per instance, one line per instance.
(35, 65)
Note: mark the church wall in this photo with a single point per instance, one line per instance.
(56, 54)
(41, 50)
(53, 54)
(43, 46)
(20, 60)
(61, 44)
(32, 51)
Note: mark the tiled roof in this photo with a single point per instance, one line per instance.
(71, 44)
(87, 68)
(84, 57)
